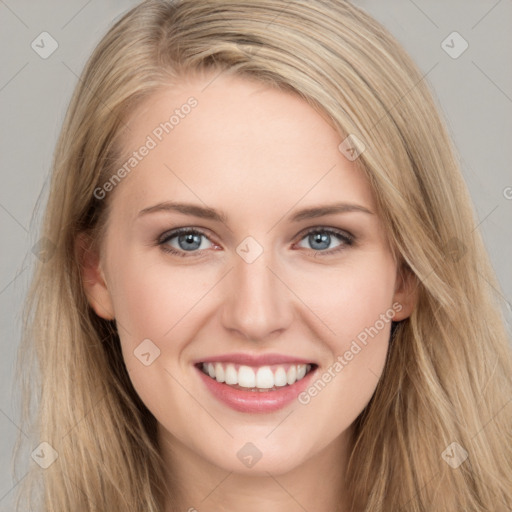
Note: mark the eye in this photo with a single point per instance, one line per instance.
(184, 240)
(321, 240)
(192, 242)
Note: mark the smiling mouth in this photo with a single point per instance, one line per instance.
(256, 379)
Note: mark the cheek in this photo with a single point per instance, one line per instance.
(350, 298)
(150, 300)
(157, 303)
(355, 306)
(334, 308)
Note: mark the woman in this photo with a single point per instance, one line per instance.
(267, 290)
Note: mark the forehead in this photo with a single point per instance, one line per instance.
(227, 107)
(229, 138)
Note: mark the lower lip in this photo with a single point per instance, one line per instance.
(255, 401)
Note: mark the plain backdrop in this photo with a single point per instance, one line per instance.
(473, 87)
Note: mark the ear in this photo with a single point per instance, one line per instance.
(93, 279)
(406, 293)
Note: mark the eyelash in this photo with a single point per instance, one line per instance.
(346, 238)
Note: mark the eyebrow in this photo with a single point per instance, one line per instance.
(205, 212)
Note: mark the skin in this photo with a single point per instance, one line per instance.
(259, 155)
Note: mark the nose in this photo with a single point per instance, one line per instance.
(257, 303)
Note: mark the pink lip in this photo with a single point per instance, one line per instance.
(255, 401)
(255, 360)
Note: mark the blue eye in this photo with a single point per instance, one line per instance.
(320, 240)
(191, 242)
(183, 240)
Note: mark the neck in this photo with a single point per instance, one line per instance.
(197, 485)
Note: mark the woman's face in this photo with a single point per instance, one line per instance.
(282, 266)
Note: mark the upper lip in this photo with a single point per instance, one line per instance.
(255, 360)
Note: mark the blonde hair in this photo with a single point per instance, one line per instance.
(447, 376)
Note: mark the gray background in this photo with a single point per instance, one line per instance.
(474, 90)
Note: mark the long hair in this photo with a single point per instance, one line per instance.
(437, 434)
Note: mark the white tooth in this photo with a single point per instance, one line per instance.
(219, 372)
(231, 375)
(280, 377)
(301, 371)
(246, 377)
(211, 370)
(291, 374)
(264, 377)
(205, 367)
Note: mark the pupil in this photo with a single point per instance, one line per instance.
(190, 238)
(321, 238)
